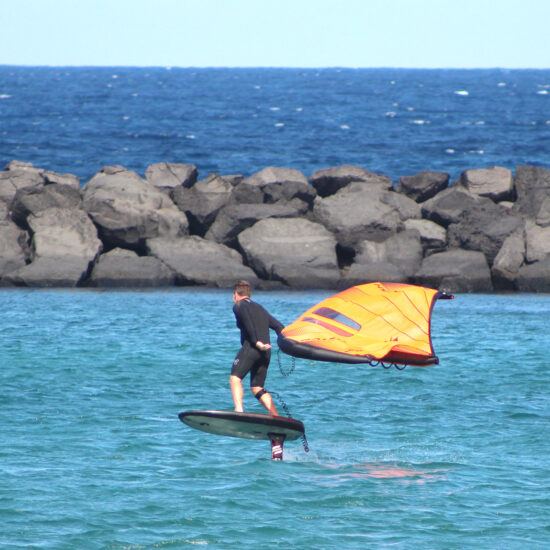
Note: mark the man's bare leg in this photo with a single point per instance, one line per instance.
(265, 400)
(236, 385)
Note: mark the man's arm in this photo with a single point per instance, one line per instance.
(275, 324)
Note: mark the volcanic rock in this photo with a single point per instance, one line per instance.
(235, 218)
(455, 271)
(124, 268)
(201, 262)
(532, 189)
(298, 252)
(65, 245)
(202, 202)
(128, 210)
(495, 183)
(32, 200)
(424, 185)
(360, 212)
(330, 180)
(508, 261)
(167, 175)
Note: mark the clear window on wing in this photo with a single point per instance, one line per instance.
(337, 316)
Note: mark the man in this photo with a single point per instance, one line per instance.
(255, 353)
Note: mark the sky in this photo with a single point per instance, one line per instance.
(276, 33)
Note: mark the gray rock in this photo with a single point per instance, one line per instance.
(543, 215)
(284, 184)
(369, 273)
(65, 245)
(508, 261)
(432, 235)
(534, 277)
(396, 259)
(455, 271)
(424, 185)
(128, 210)
(235, 218)
(198, 261)
(358, 212)
(18, 175)
(448, 206)
(330, 180)
(537, 242)
(32, 200)
(276, 175)
(246, 193)
(202, 202)
(403, 250)
(167, 175)
(495, 183)
(70, 180)
(532, 188)
(14, 252)
(483, 230)
(298, 252)
(124, 268)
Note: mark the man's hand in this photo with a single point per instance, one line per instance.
(262, 347)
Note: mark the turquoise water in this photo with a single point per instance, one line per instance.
(93, 455)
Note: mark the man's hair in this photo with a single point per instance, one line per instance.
(242, 288)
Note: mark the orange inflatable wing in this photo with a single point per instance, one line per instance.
(387, 322)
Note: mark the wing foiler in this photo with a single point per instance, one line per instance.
(369, 323)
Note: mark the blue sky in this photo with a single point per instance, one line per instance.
(276, 33)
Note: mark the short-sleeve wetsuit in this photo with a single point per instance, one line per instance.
(254, 323)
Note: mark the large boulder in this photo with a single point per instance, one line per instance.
(537, 242)
(455, 271)
(532, 190)
(396, 259)
(201, 262)
(448, 206)
(18, 175)
(168, 175)
(535, 277)
(235, 218)
(202, 202)
(281, 184)
(14, 251)
(128, 210)
(124, 268)
(32, 200)
(298, 252)
(330, 180)
(65, 246)
(359, 212)
(495, 183)
(432, 235)
(424, 185)
(484, 230)
(508, 261)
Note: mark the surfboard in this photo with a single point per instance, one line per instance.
(245, 425)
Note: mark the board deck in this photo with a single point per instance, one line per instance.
(245, 425)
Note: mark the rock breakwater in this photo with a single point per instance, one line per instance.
(487, 231)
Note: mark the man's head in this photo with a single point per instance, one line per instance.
(241, 290)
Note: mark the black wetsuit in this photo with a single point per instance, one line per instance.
(254, 322)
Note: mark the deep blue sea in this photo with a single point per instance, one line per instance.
(93, 456)
(238, 121)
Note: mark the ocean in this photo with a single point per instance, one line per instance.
(92, 454)
(239, 121)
